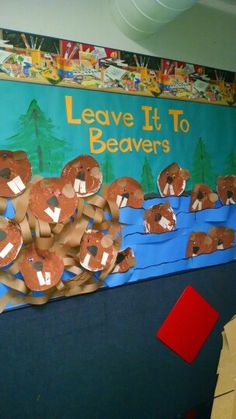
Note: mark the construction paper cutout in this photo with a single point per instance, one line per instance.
(223, 237)
(188, 325)
(202, 197)
(96, 251)
(172, 180)
(226, 187)
(53, 200)
(124, 261)
(15, 173)
(85, 175)
(200, 242)
(41, 269)
(159, 219)
(126, 192)
(10, 241)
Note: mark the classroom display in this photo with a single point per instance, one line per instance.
(103, 185)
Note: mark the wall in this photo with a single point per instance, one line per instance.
(202, 35)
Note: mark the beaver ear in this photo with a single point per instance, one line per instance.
(213, 197)
(208, 241)
(184, 173)
(166, 205)
(196, 188)
(95, 172)
(68, 191)
(192, 236)
(212, 231)
(19, 155)
(106, 241)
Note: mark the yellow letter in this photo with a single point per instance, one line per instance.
(175, 113)
(112, 142)
(128, 119)
(94, 135)
(166, 146)
(147, 126)
(147, 146)
(69, 117)
(128, 146)
(105, 121)
(88, 113)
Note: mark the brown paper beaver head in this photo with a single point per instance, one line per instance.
(53, 200)
(41, 269)
(126, 192)
(172, 180)
(226, 188)
(10, 241)
(96, 251)
(199, 243)
(124, 261)
(202, 197)
(15, 173)
(85, 175)
(223, 236)
(159, 218)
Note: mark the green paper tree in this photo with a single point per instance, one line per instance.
(35, 136)
(107, 169)
(202, 168)
(230, 163)
(147, 179)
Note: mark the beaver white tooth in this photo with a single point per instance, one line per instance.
(220, 246)
(4, 252)
(80, 186)
(166, 188)
(104, 258)
(16, 185)
(44, 280)
(124, 202)
(53, 214)
(230, 201)
(119, 200)
(116, 269)
(165, 223)
(86, 261)
(197, 205)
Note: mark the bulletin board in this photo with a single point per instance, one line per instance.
(136, 116)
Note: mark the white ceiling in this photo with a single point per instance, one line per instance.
(227, 6)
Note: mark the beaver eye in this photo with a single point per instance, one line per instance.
(88, 169)
(30, 259)
(4, 155)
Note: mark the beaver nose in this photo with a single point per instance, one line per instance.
(3, 235)
(200, 195)
(92, 250)
(5, 173)
(229, 194)
(53, 201)
(125, 195)
(120, 257)
(38, 266)
(157, 217)
(80, 176)
(195, 249)
(220, 241)
(170, 179)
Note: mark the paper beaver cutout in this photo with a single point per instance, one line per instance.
(85, 175)
(223, 236)
(41, 269)
(96, 251)
(172, 180)
(226, 187)
(53, 200)
(202, 197)
(15, 173)
(159, 218)
(10, 241)
(200, 242)
(126, 192)
(124, 261)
